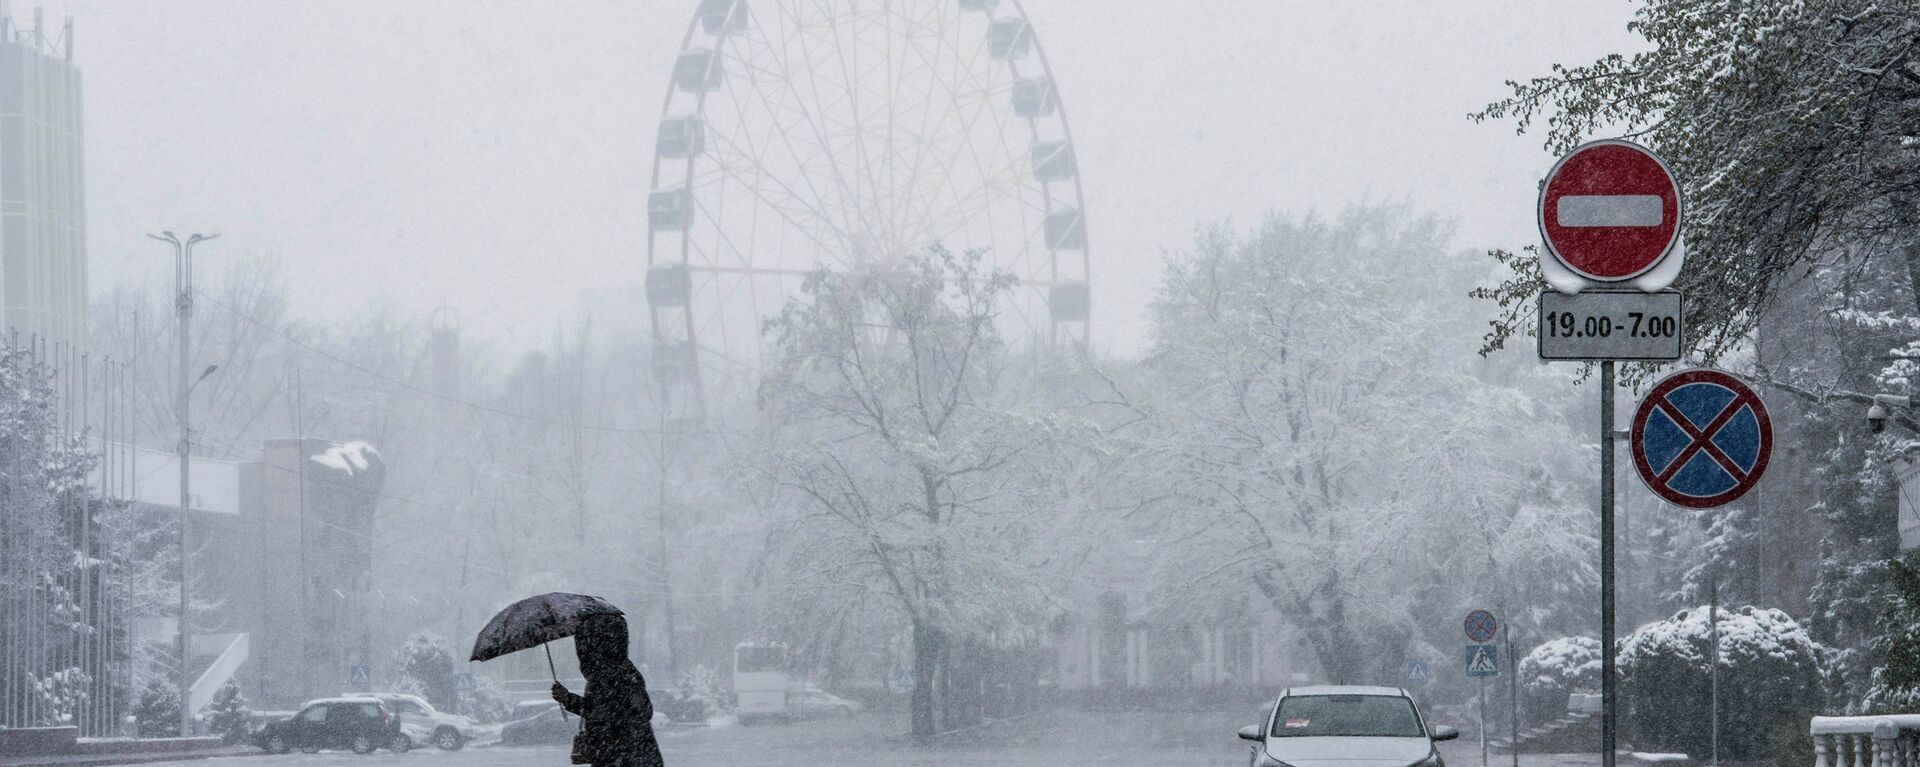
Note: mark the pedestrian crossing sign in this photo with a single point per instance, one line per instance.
(359, 677)
(1482, 660)
(1418, 673)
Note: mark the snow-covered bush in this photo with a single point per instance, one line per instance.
(1553, 670)
(1770, 678)
(228, 713)
(157, 713)
(701, 687)
(426, 669)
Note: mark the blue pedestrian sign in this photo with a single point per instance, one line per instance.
(1701, 439)
(1482, 660)
(1418, 673)
(359, 677)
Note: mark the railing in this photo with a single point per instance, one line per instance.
(1866, 741)
(229, 651)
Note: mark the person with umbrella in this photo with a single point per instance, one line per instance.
(617, 714)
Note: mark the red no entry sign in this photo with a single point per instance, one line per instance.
(1610, 210)
(1701, 438)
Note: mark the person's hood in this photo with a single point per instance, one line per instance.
(1349, 751)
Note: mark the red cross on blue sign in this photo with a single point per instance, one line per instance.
(1701, 438)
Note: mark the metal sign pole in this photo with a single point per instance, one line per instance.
(1513, 699)
(1713, 659)
(1483, 722)
(1609, 698)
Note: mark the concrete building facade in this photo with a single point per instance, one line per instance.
(281, 564)
(43, 243)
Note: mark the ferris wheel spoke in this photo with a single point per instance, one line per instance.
(809, 208)
(848, 196)
(815, 201)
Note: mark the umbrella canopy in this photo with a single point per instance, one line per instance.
(535, 621)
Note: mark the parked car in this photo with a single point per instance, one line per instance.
(448, 732)
(678, 705)
(539, 722)
(813, 703)
(1360, 726)
(358, 724)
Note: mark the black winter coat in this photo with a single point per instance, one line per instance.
(619, 721)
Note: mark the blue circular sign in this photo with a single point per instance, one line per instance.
(1481, 626)
(1701, 439)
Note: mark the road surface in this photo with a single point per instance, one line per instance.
(1134, 739)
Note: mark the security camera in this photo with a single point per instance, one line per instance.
(1877, 418)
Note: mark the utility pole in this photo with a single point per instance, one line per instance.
(183, 308)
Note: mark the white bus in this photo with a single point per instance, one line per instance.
(760, 681)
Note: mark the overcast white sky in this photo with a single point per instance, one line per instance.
(493, 156)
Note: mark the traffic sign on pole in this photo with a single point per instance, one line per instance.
(1418, 673)
(1610, 325)
(1482, 660)
(1701, 438)
(1609, 211)
(359, 677)
(1481, 626)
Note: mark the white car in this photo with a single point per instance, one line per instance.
(1345, 726)
(814, 702)
(423, 724)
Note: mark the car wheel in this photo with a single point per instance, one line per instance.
(448, 739)
(362, 744)
(400, 743)
(277, 744)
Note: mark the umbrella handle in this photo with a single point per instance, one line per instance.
(555, 675)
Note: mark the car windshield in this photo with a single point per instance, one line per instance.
(1388, 716)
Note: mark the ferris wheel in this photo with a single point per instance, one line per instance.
(846, 135)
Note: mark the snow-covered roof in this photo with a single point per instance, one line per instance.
(350, 457)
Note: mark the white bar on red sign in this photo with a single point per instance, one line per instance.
(1610, 210)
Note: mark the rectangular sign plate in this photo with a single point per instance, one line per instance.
(1610, 325)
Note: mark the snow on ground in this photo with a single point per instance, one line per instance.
(1133, 738)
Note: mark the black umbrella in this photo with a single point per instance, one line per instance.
(537, 621)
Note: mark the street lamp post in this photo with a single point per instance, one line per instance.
(183, 309)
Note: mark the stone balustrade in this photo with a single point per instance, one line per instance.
(1866, 741)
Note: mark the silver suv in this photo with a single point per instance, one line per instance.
(1345, 726)
(420, 722)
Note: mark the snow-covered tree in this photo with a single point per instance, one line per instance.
(912, 470)
(1790, 126)
(1313, 442)
(425, 668)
